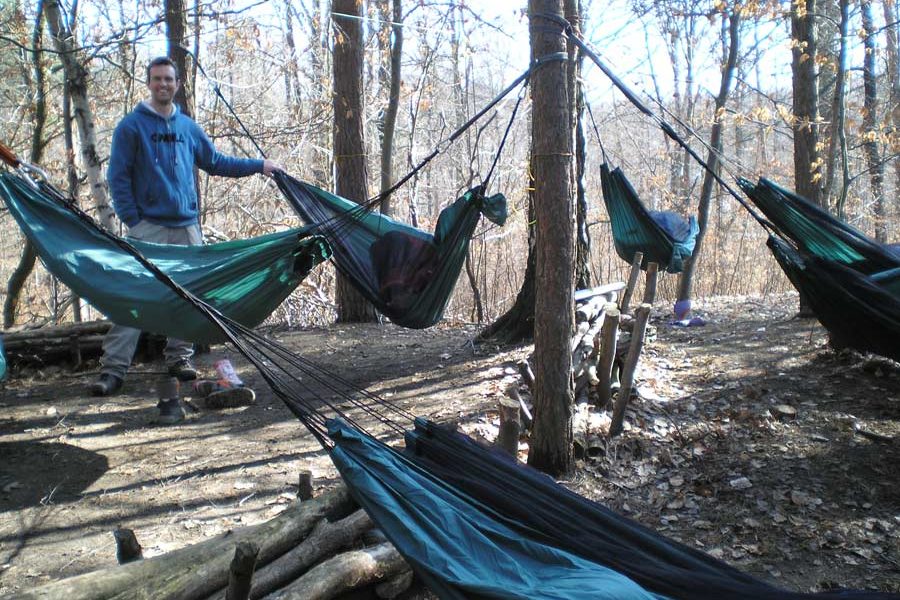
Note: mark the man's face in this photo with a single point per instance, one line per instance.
(162, 84)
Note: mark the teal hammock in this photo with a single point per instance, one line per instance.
(850, 281)
(406, 273)
(243, 279)
(662, 236)
(818, 233)
(2, 361)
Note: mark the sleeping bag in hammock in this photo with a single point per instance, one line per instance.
(663, 237)
(243, 279)
(818, 233)
(406, 273)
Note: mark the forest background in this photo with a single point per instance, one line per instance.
(271, 61)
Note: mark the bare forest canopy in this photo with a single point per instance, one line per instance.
(272, 63)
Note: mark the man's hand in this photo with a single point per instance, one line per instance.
(270, 166)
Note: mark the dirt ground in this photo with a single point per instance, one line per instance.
(712, 454)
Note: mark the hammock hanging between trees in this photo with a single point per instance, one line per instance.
(244, 279)
(816, 232)
(406, 273)
(664, 237)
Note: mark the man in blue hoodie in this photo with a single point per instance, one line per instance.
(151, 180)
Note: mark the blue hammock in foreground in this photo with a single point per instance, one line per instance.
(663, 237)
(407, 274)
(244, 279)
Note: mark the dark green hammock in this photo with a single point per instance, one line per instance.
(816, 232)
(662, 236)
(850, 281)
(406, 273)
(859, 311)
(244, 279)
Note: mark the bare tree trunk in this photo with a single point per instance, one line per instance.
(393, 105)
(176, 35)
(685, 284)
(837, 138)
(77, 81)
(892, 50)
(574, 15)
(806, 102)
(551, 439)
(292, 87)
(870, 127)
(351, 177)
(39, 101)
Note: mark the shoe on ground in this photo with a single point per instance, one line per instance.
(106, 385)
(170, 411)
(230, 398)
(183, 370)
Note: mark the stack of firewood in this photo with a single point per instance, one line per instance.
(592, 307)
(319, 548)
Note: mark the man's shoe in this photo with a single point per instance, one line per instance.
(170, 411)
(106, 385)
(183, 370)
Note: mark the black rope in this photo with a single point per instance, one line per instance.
(512, 118)
(597, 132)
(218, 92)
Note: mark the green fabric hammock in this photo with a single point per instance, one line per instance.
(406, 273)
(662, 236)
(818, 233)
(243, 279)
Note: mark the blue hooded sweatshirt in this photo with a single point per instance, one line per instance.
(151, 167)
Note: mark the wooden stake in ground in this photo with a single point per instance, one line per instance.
(642, 315)
(650, 283)
(608, 341)
(240, 576)
(127, 547)
(632, 281)
(510, 423)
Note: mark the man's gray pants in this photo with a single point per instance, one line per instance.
(121, 342)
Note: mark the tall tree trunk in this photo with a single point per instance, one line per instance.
(892, 50)
(76, 76)
(837, 136)
(870, 127)
(393, 105)
(39, 104)
(715, 141)
(292, 88)
(551, 437)
(807, 174)
(351, 178)
(177, 41)
(575, 14)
